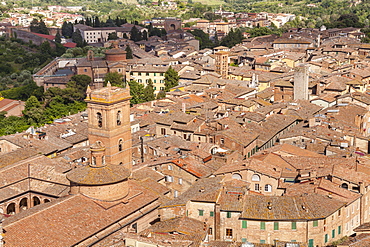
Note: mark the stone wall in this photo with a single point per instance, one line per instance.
(27, 37)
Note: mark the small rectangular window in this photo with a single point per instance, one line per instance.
(170, 167)
(229, 233)
(244, 224)
(228, 214)
(211, 213)
(256, 187)
(201, 212)
(147, 74)
(262, 241)
(276, 225)
(315, 223)
(180, 180)
(333, 233)
(210, 232)
(263, 225)
(339, 230)
(326, 238)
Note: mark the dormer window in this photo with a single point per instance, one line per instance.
(100, 119)
(256, 178)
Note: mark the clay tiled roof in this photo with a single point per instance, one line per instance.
(90, 175)
(305, 207)
(205, 189)
(17, 155)
(69, 220)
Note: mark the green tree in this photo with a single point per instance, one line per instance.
(129, 52)
(112, 36)
(115, 78)
(136, 92)
(171, 79)
(32, 102)
(204, 41)
(97, 22)
(45, 48)
(58, 38)
(77, 38)
(67, 29)
(161, 95)
(38, 27)
(135, 34)
(149, 92)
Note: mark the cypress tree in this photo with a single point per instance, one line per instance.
(148, 93)
(171, 79)
(129, 52)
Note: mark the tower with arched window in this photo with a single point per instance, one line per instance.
(109, 123)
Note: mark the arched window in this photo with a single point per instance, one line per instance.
(10, 209)
(46, 200)
(23, 204)
(36, 201)
(100, 119)
(345, 186)
(237, 176)
(119, 118)
(120, 143)
(268, 188)
(256, 178)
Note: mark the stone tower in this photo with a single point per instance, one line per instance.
(222, 63)
(109, 123)
(106, 177)
(301, 82)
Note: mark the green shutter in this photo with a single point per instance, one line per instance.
(315, 223)
(244, 240)
(263, 225)
(244, 224)
(276, 225)
(333, 233)
(262, 241)
(326, 238)
(310, 243)
(228, 214)
(294, 225)
(211, 213)
(201, 212)
(339, 230)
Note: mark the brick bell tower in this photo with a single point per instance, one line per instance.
(109, 123)
(106, 178)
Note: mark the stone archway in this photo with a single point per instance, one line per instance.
(36, 201)
(23, 204)
(10, 209)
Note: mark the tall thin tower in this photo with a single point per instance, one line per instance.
(109, 123)
(301, 82)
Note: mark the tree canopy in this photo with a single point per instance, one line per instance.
(171, 79)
